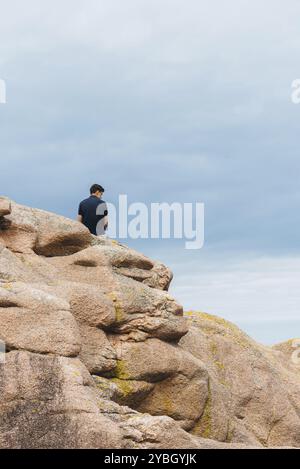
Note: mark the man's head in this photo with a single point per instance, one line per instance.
(96, 190)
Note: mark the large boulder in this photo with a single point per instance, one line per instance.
(99, 354)
(259, 387)
(50, 402)
(35, 321)
(25, 229)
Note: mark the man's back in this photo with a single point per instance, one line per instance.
(91, 213)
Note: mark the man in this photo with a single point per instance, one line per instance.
(93, 212)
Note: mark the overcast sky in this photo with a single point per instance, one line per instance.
(167, 100)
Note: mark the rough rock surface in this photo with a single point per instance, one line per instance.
(99, 355)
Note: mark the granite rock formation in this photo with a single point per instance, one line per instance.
(99, 355)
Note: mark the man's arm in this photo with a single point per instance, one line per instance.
(80, 215)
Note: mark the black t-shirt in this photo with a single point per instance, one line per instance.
(92, 211)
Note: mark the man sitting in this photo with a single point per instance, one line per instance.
(93, 212)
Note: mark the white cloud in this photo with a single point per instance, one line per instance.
(256, 293)
(174, 29)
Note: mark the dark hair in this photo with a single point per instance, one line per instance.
(95, 188)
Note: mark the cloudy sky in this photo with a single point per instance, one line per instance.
(167, 100)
